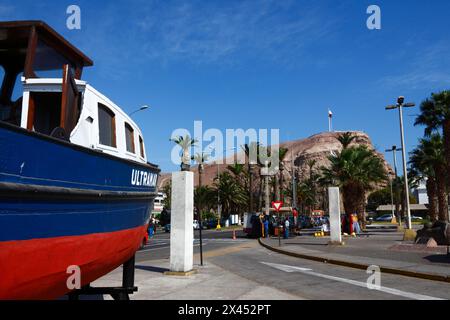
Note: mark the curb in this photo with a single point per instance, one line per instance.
(406, 273)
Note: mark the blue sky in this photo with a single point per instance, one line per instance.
(258, 64)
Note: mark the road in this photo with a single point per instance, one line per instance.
(302, 278)
(159, 247)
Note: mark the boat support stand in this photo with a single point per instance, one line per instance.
(117, 293)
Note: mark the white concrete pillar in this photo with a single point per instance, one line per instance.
(181, 222)
(335, 215)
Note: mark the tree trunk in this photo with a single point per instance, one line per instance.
(351, 199)
(281, 185)
(362, 212)
(432, 199)
(277, 188)
(351, 202)
(250, 188)
(442, 194)
(200, 173)
(261, 186)
(446, 136)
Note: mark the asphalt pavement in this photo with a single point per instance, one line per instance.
(158, 247)
(243, 269)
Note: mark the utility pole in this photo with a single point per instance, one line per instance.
(266, 181)
(392, 202)
(400, 104)
(394, 150)
(294, 182)
(219, 213)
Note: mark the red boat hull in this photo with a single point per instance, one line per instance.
(37, 269)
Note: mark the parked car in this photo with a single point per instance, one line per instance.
(196, 225)
(384, 218)
(416, 218)
(167, 227)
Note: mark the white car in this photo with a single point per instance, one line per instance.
(196, 225)
(385, 218)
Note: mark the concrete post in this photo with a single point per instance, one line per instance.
(181, 222)
(335, 215)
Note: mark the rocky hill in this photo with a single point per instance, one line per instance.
(317, 147)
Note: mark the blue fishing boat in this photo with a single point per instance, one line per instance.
(76, 188)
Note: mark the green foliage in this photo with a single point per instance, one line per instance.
(434, 112)
(356, 170)
(378, 198)
(233, 197)
(167, 189)
(346, 139)
(205, 198)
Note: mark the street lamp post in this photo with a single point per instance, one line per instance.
(144, 107)
(392, 201)
(400, 104)
(219, 209)
(394, 150)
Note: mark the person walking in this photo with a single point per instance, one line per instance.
(266, 226)
(151, 228)
(356, 227)
(286, 228)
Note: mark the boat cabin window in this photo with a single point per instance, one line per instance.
(129, 136)
(107, 126)
(48, 61)
(141, 146)
(45, 112)
(10, 96)
(4, 109)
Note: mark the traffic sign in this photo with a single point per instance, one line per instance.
(277, 205)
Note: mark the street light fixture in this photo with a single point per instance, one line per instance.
(400, 104)
(140, 109)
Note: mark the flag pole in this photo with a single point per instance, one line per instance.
(330, 116)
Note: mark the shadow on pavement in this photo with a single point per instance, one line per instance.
(439, 258)
(152, 269)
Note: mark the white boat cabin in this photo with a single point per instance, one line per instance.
(67, 107)
(101, 124)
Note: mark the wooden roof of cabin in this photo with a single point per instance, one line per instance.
(14, 39)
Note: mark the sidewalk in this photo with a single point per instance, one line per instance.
(210, 282)
(381, 248)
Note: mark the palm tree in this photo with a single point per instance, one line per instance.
(435, 115)
(252, 153)
(429, 160)
(185, 143)
(346, 139)
(241, 176)
(311, 184)
(279, 181)
(167, 190)
(232, 196)
(200, 159)
(204, 198)
(356, 170)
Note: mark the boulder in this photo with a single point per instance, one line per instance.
(439, 231)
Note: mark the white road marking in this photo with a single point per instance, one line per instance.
(159, 248)
(396, 292)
